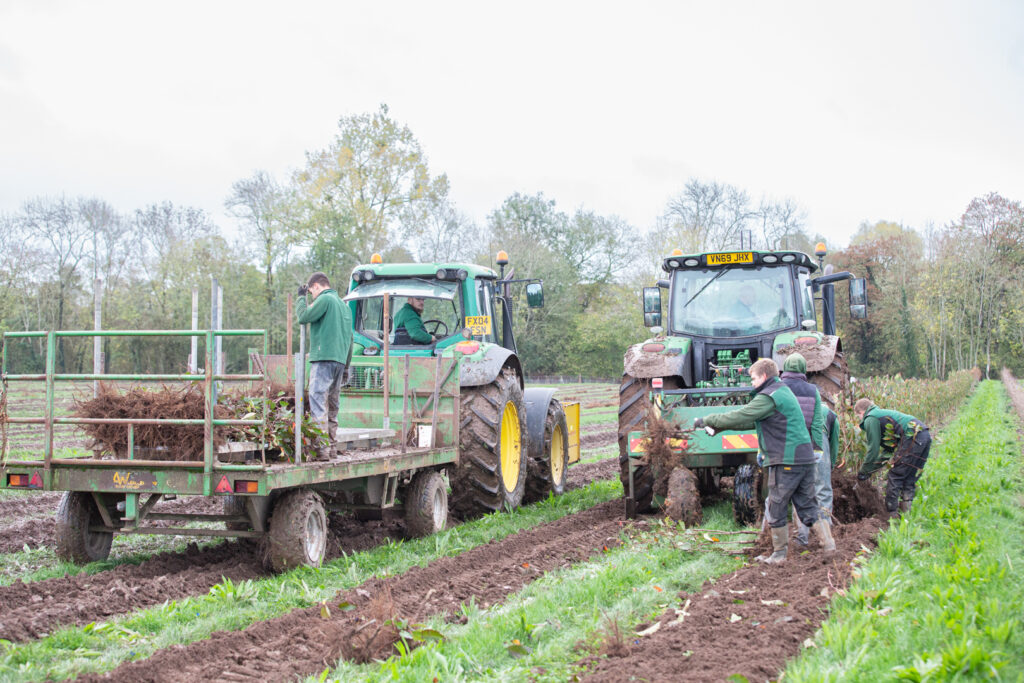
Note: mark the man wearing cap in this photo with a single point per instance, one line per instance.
(785, 449)
(905, 439)
(330, 350)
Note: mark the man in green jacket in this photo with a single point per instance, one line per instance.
(902, 437)
(785, 449)
(330, 351)
(409, 326)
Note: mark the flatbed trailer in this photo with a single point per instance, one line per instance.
(284, 504)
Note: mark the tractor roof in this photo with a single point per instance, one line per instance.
(424, 270)
(740, 259)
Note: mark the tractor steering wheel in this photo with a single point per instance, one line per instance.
(438, 324)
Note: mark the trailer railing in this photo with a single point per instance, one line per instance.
(209, 378)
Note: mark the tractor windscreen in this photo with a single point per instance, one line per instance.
(440, 315)
(732, 302)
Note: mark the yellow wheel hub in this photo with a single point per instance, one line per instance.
(556, 456)
(511, 447)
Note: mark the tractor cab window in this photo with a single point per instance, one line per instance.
(805, 296)
(732, 302)
(485, 307)
(441, 315)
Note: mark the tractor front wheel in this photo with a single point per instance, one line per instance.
(748, 495)
(548, 471)
(426, 504)
(76, 542)
(491, 474)
(298, 531)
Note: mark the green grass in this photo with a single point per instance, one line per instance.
(535, 633)
(940, 599)
(231, 606)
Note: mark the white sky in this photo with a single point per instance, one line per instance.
(900, 111)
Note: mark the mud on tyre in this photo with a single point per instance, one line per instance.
(682, 502)
(748, 495)
(77, 512)
(547, 473)
(492, 447)
(426, 504)
(298, 531)
(632, 418)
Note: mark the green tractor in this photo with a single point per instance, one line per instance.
(515, 443)
(725, 311)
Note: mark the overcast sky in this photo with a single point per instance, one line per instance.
(861, 111)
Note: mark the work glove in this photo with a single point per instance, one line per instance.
(760, 459)
(862, 477)
(698, 423)
(303, 289)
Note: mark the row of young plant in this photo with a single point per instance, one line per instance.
(931, 400)
(940, 597)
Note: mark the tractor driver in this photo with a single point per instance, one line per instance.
(743, 307)
(409, 325)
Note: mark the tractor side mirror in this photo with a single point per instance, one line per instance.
(535, 295)
(858, 298)
(652, 306)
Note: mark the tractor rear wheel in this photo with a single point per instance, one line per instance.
(76, 542)
(748, 495)
(547, 473)
(835, 379)
(298, 531)
(426, 504)
(492, 447)
(682, 502)
(632, 418)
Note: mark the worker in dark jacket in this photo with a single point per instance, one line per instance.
(330, 350)
(794, 376)
(785, 449)
(409, 325)
(905, 439)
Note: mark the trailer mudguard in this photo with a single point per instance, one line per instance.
(660, 357)
(818, 349)
(483, 367)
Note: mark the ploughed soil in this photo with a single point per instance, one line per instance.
(33, 610)
(1014, 390)
(701, 639)
(306, 641)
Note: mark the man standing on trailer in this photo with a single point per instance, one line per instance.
(785, 446)
(330, 351)
(902, 437)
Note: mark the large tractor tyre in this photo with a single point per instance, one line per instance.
(298, 531)
(547, 473)
(682, 502)
(835, 379)
(426, 504)
(491, 474)
(748, 495)
(235, 505)
(633, 418)
(75, 541)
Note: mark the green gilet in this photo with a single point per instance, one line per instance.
(783, 435)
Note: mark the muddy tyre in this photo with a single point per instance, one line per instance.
(835, 379)
(235, 505)
(748, 495)
(491, 474)
(633, 417)
(682, 502)
(77, 512)
(426, 504)
(547, 472)
(298, 531)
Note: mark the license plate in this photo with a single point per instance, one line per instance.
(478, 325)
(730, 258)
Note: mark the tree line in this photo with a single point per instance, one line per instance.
(942, 300)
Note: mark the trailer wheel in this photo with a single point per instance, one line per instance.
(492, 447)
(747, 495)
(682, 502)
(426, 504)
(298, 531)
(547, 473)
(633, 417)
(75, 541)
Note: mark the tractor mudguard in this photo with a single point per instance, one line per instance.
(485, 368)
(819, 350)
(537, 400)
(660, 357)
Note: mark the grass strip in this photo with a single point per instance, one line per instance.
(940, 598)
(234, 606)
(536, 633)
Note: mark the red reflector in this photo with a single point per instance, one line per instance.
(805, 340)
(17, 480)
(36, 482)
(242, 486)
(653, 346)
(468, 347)
(657, 382)
(223, 486)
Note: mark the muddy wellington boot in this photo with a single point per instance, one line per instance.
(780, 542)
(824, 533)
(905, 506)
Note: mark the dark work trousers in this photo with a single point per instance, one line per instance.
(326, 378)
(901, 483)
(791, 483)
